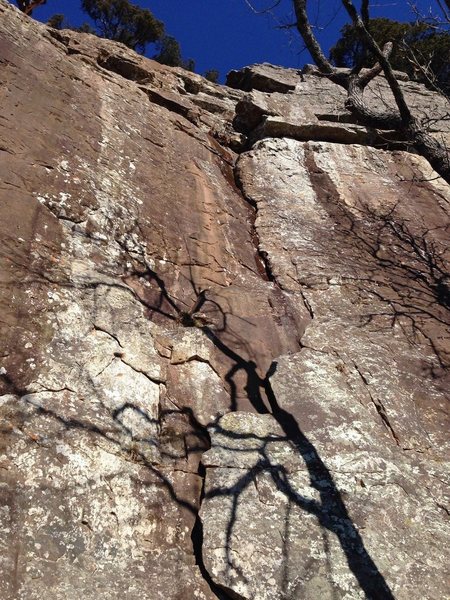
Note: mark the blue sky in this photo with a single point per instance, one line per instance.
(226, 34)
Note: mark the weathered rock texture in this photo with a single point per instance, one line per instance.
(224, 334)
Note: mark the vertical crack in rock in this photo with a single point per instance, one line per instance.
(384, 417)
(261, 257)
(379, 406)
(197, 545)
(307, 304)
(197, 535)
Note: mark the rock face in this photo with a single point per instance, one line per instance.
(224, 334)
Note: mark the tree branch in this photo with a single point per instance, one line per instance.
(365, 11)
(355, 81)
(313, 46)
(264, 10)
(447, 2)
(405, 113)
(389, 119)
(27, 6)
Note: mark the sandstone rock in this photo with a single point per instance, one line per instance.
(196, 318)
(342, 133)
(323, 231)
(316, 110)
(276, 517)
(265, 77)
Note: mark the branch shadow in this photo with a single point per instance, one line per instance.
(331, 511)
(397, 257)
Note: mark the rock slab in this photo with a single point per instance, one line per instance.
(224, 334)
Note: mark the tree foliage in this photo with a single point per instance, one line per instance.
(132, 25)
(419, 49)
(58, 21)
(169, 53)
(122, 21)
(212, 75)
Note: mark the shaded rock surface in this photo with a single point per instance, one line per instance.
(224, 334)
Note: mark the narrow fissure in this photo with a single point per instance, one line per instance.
(261, 259)
(384, 418)
(379, 407)
(197, 544)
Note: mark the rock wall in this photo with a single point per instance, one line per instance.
(224, 334)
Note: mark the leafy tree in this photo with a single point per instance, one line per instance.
(189, 65)
(419, 49)
(27, 6)
(212, 75)
(84, 28)
(169, 53)
(56, 21)
(122, 21)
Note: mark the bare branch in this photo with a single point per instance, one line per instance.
(365, 11)
(355, 81)
(264, 10)
(419, 64)
(355, 103)
(27, 6)
(434, 20)
(366, 78)
(405, 113)
(447, 2)
(305, 30)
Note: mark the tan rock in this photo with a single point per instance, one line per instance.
(265, 335)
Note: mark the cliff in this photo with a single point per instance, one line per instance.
(225, 344)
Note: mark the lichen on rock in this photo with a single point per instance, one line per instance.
(225, 334)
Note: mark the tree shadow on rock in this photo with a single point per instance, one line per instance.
(330, 511)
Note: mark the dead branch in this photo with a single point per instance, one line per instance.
(264, 10)
(27, 6)
(305, 30)
(356, 81)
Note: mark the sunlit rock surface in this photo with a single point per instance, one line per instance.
(224, 334)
